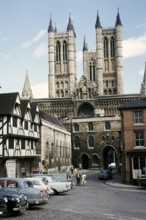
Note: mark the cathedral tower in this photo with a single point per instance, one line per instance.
(104, 64)
(62, 61)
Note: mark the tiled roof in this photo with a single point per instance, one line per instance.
(138, 103)
(51, 119)
(7, 103)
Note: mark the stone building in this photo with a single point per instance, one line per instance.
(88, 107)
(55, 144)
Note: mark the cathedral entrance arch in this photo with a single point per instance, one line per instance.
(109, 156)
(85, 161)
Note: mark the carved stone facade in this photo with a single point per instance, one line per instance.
(88, 109)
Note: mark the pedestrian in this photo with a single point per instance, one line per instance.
(78, 177)
(84, 179)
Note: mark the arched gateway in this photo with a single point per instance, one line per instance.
(109, 156)
(85, 161)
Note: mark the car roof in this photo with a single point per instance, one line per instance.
(13, 179)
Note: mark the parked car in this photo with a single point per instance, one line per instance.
(62, 177)
(143, 182)
(105, 175)
(34, 196)
(57, 187)
(3, 205)
(39, 183)
(14, 201)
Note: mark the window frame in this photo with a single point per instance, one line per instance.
(138, 117)
(139, 139)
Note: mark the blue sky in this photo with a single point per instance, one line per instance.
(24, 39)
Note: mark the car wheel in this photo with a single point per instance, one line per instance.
(6, 214)
(54, 192)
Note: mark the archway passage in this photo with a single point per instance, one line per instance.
(94, 160)
(109, 156)
(85, 161)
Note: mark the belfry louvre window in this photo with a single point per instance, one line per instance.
(105, 47)
(112, 47)
(139, 138)
(138, 117)
(58, 55)
(64, 51)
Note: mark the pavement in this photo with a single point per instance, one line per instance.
(117, 181)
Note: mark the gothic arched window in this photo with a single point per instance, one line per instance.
(90, 126)
(91, 141)
(107, 125)
(112, 47)
(76, 127)
(77, 142)
(92, 70)
(81, 94)
(64, 51)
(58, 55)
(105, 47)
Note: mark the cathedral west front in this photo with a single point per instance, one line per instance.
(88, 107)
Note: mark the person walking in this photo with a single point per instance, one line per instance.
(84, 179)
(78, 177)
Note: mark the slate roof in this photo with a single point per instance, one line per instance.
(51, 119)
(138, 103)
(24, 104)
(7, 103)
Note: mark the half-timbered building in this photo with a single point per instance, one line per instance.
(19, 134)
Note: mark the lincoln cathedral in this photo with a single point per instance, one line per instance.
(88, 108)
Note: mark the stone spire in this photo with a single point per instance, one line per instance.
(118, 20)
(26, 92)
(143, 85)
(70, 26)
(50, 28)
(97, 24)
(85, 48)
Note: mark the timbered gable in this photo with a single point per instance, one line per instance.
(19, 126)
(36, 119)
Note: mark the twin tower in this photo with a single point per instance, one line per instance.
(102, 66)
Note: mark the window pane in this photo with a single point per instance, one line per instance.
(139, 138)
(138, 117)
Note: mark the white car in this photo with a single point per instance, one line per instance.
(57, 187)
(62, 177)
(39, 183)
